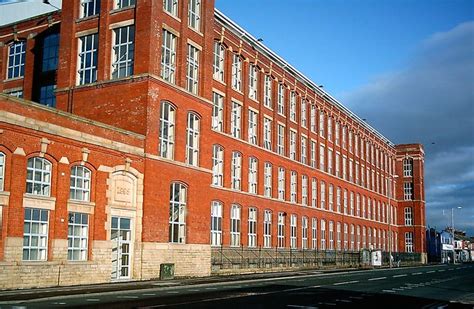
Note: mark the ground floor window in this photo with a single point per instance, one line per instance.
(77, 239)
(35, 234)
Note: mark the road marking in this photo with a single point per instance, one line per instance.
(211, 288)
(344, 300)
(298, 306)
(356, 297)
(194, 290)
(441, 270)
(415, 274)
(172, 292)
(93, 299)
(148, 294)
(345, 282)
(315, 286)
(379, 278)
(128, 296)
(388, 291)
(431, 271)
(398, 276)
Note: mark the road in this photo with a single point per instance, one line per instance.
(438, 286)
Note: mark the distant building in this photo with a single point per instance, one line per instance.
(140, 133)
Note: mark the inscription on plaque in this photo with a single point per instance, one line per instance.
(123, 189)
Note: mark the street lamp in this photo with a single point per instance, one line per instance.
(452, 231)
(389, 186)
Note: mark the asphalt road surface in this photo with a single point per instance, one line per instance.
(439, 286)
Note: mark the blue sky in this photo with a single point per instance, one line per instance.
(406, 66)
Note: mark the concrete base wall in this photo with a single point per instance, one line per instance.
(189, 260)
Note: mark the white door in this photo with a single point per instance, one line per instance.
(121, 240)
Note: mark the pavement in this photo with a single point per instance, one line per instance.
(35, 293)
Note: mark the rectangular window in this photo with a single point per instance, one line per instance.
(218, 112)
(177, 219)
(350, 141)
(281, 140)
(236, 119)
(357, 177)
(80, 183)
(292, 145)
(292, 105)
(293, 187)
(351, 196)
(338, 199)
(314, 192)
(293, 223)
(338, 236)
(281, 183)
(314, 234)
(303, 121)
(87, 59)
(218, 65)
(16, 60)
(408, 167)
(124, 3)
(236, 72)
(253, 177)
(35, 234)
(2, 171)
(267, 133)
(331, 235)
(281, 99)
(267, 229)
(17, 93)
(171, 6)
(192, 143)
(323, 235)
(78, 236)
(358, 205)
(50, 52)
(408, 191)
(313, 154)
(167, 130)
(252, 228)
(330, 169)
(337, 163)
(47, 96)
(331, 197)
(268, 180)
(351, 170)
(304, 150)
(346, 236)
(408, 216)
(192, 76)
(344, 167)
(267, 96)
(89, 8)
(235, 226)
(281, 230)
(345, 202)
(313, 119)
(168, 57)
(236, 170)
(217, 166)
(344, 133)
(38, 176)
(252, 129)
(194, 14)
(321, 157)
(323, 195)
(123, 52)
(304, 190)
(329, 128)
(321, 124)
(253, 82)
(409, 242)
(216, 223)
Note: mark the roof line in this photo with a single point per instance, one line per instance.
(221, 17)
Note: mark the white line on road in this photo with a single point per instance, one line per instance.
(345, 282)
(128, 296)
(194, 290)
(211, 288)
(298, 306)
(92, 299)
(398, 276)
(415, 274)
(388, 291)
(379, 278)
(172, 292)
(431, 271)
(441, 270)
(148, 294)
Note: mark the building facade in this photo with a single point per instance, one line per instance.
(136, 132)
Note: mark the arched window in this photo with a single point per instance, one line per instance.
(267, 229)
(177, 230)
(80, 184)
(192, 143)
(2, 171)
(167, 130)
(38, 176)
(216, 223)
(235, 226)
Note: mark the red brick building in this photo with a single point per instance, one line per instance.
(149, 132)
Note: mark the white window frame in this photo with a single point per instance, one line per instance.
(87, 74)
(281, 183)
(253, 82)
(281, 230)
(323, 234)
(314, 192)
(408, 216)
(253, 175)
(267, 229)
(236, 120)
(216, 223)
(167, 130)
(252, 228)
(268, 179)
(408, 190)
(38, 179)
(236, 73)
(192, 142)
(35, 234)
(218, 112)
(171, 7)
(127, 59)
(281, 140)
(194, 15)
(304, 190)
(192, 72)
(80, 183)
(409, 242)
(267, 133)
(253, 127)
(314, 234)
(331, 197)
(78, 236)
(177, 213)
(85, 7)
(292, 105)
(304, 233)
(293, 186)
(235, 221)
(219, 61)
(236, 170)
(168, 57)
(293, 135)
(323, 194)
(267, 94)
(304, 116)
(293, 231)
(2, 171)
(408, 167)
(217, 165)
(281, 99)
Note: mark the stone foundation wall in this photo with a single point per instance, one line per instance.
(190, 260)
(15, 273)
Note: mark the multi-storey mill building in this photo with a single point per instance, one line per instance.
(137, 133)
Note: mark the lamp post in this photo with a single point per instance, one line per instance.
(389, 186)
(452, 231)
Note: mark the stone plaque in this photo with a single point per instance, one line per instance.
(123, 189)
